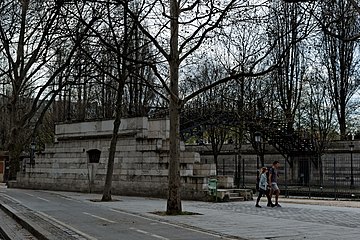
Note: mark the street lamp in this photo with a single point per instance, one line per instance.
(351, 146)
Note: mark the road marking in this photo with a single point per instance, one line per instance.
(101, 218)
(53, 219)
(70, 199)
(172, 224)
(149, 234)
(11, 198)
(61, 196)
(29, 194)
(43, 199)
(67, 226)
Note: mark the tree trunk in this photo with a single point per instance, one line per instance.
(342, 123)
(110, 166)
(174, 197)
(15, 149)
(122, 69)
(216, 164)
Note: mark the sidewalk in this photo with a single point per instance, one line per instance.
(296, 219)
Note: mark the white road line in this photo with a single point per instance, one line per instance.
(70, 199)
(31, 195)
(67, 226)
(11, 198)
(101, 218)
(159, 237)
(140, 231)
(54, 220)
(43, 199)
(171, 224)
(149, 234)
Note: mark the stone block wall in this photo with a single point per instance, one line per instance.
(140, 166)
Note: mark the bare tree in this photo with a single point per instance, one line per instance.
(292, 26)
(318, 115)
(29, 34)
(210, 112)
(124, 50)
(178, 30)
(340, 24)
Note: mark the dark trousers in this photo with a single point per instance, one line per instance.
(266, 193)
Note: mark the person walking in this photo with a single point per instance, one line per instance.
(273, 178)
(263, 188)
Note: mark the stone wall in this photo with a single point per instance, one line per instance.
(141, 161)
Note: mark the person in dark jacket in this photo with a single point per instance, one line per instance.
(273, 178)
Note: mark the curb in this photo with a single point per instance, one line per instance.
(34, 229)
(42, 227)
(4, 235)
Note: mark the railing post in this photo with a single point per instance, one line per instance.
(243, 172)
(286, 185)
(335, 190)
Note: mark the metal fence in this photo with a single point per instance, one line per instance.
(337, 176)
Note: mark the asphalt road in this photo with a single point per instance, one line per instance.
(92, 221)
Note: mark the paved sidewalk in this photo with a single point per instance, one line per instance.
(296, 219)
